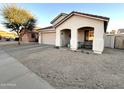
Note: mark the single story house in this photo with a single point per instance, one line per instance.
(75, 28)
(120, 31)
(30, 36)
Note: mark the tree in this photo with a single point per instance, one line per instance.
(0, 37)
(18, 19)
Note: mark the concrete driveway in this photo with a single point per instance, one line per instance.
(14, 75)
(67, 69)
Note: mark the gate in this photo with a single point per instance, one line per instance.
(119, 41)
(109, 41)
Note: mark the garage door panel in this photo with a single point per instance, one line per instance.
(48, 38)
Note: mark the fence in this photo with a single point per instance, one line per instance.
(114, 41)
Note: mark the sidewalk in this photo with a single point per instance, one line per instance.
(13, 75)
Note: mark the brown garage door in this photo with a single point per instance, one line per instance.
(119, 42)
(49, 38)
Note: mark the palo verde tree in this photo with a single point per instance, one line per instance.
(18, 19)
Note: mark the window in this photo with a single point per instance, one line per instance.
(32, 35)
(89, 35)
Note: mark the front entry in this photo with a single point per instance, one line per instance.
(85, 37)
(65, 37)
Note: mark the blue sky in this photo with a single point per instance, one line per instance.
(45, 12)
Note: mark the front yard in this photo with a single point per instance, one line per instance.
(67, 69)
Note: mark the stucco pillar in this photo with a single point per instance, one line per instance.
(39, 38)
(58, 38)
(98, 41)
(74, 39)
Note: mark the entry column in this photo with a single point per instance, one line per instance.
(39, 38)
(74, 39)
(98, 41)
(58, 38)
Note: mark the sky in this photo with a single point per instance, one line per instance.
(45, 12)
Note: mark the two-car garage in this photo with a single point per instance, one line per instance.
(48, 38)
(47, 35)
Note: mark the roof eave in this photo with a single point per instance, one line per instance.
(57, 17)
(76, 13)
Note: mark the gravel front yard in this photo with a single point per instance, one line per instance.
(67, 69)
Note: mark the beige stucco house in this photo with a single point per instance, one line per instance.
(74, 29)
(30, 37)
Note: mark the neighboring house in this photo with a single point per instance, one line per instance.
(30, 37)
(113, 32)
(74, 29)
(120, 31)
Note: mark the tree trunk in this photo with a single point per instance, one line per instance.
(19, 43)
(19, 36)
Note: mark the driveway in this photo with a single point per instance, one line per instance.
(63, 68)
(14, 75)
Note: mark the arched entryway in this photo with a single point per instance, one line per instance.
(65, 37)
(85, 37)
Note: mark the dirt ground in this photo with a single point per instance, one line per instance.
(68, 69)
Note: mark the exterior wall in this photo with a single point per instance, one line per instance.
(65, 37)
(76, 22)
(25, 38)
(81, 36)
(98, 41)
(58, 36)
(39, 38)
